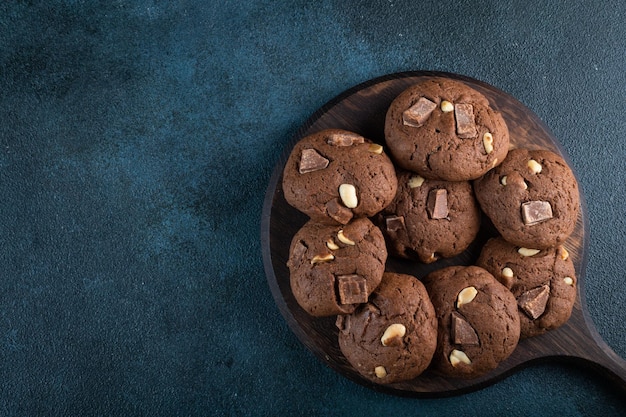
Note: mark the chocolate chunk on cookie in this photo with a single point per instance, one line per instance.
(532, 198)
(544, 283)
(335, 175)
(444, 129)
(479, 326)
(429, 219)
(393, 337)
(335, 268)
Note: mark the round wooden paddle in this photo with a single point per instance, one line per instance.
(362, 110)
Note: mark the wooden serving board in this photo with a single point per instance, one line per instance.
(362, 110)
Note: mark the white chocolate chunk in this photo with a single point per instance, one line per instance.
(327, 257)
(330, 244)
(375, 148)
(488, 142)
(446, 106)
(507, 272)
(344, 239)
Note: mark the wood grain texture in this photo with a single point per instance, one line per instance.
(362, 110)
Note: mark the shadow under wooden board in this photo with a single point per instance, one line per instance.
(362, 110)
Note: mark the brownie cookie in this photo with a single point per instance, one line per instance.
(429, 219)
(544, 282)
(531, 198)
(444, 129)
(478, 321)
(335, 175)
(334, 268)
(393, 337)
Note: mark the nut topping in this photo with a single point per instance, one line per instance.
(488, 142)
(347, 192)
(568, 281)
(330, 244)
(375, 148)
(326, 257)
(446, 106)
(507, 272)
(534, 166)
(393, 335)
(344, 239)
(563, 254)
(466, 295)
(416, 181)
(457, 357)
(528, 252)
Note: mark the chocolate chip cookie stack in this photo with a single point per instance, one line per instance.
(449, 162)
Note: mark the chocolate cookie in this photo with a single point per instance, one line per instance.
(478, 321)
(393, 337)
(429, 219)
(444, 129)
(335, 175)
(334, 268)
(544, 282)
(531, 198)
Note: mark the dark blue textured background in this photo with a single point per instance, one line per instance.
(137, 139)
